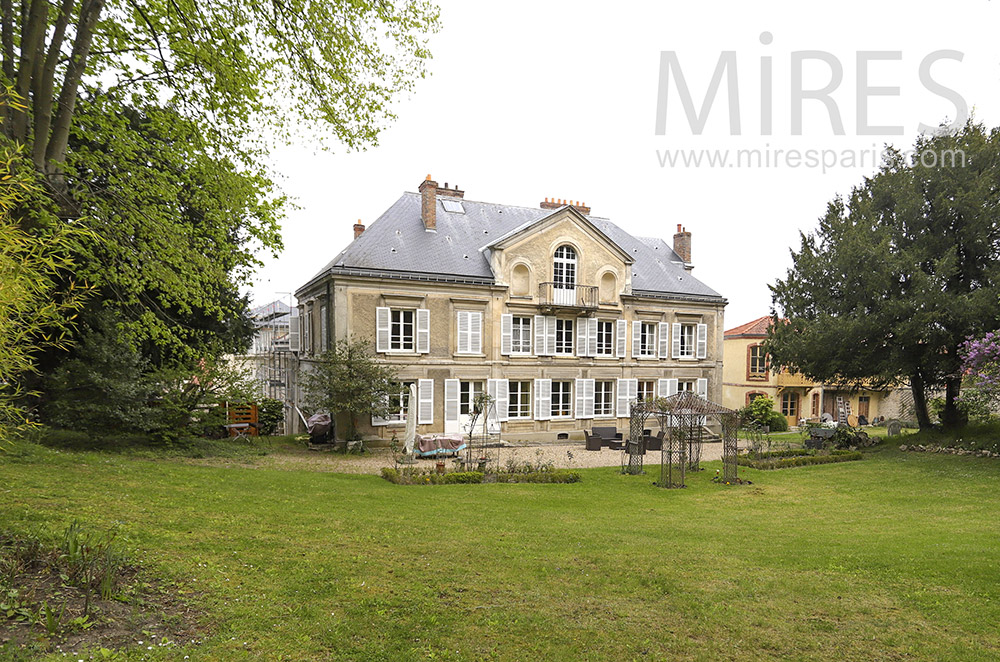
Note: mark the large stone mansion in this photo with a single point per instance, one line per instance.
(563, 317)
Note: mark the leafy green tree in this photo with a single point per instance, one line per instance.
(35, 311)
(762, 412)
(348, 381)
(232, 67)
(899, 274)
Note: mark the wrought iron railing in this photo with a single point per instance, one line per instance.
(557, 294)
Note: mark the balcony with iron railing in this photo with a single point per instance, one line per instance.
(557, 295)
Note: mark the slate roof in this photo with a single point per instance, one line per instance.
(396, 244)
(755, 329)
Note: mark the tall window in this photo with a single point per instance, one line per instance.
(790, 404)
(562, 399)
(564, 336)
(815, 405)
(647, 339)
(604, 398)
(564, 268)
(467, 394)
(520, 400)
(401, 333)
(687, 340)
(646, 390)
(753, 396)
(605, 338)
(757, 363)
(520, 335)
(322, 329)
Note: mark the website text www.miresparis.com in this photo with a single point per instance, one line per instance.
(821, 159)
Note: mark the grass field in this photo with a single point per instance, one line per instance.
(896, 557)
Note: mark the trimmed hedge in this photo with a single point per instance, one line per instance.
(431, 477)
(800, 461)
(790, 452)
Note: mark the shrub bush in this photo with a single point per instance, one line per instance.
(800, 461)
(270, 412)
(414, 476)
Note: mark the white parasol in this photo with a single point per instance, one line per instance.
(411, 421)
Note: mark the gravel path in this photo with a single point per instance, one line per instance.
(571, 455)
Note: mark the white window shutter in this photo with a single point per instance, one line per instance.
(592, 335)
(588, 399)
(425, 394)
(543, 399)
(540, 335)
(382, 329)
(675, 341)
(671, 387)
(550, 336)
(663, 328)
(476, 333)
(636, 337)
(702, 388)
(702, 345)
(293, 334)
(506, 334)
(581, 395)
(627, 389)
(621, 331)
(451, 409)
(462, 328)
(661, 388)
(423, 330)
(582, 347)
(502, 402)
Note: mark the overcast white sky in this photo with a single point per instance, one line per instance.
(529, 100)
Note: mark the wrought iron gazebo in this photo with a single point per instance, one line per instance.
(685, 418)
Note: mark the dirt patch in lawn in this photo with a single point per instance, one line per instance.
(44, 609)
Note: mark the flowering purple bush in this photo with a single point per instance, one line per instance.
(981, 366)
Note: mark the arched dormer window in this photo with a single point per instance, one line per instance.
(564, 268)
(564, 274)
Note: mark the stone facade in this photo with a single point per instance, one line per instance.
(471, 330)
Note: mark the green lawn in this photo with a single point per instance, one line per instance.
(896, 557)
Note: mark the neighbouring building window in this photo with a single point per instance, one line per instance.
(401, 330)
(564, 337)
(757, 366)
(753, 396)
(562, 399)
(646, 390)
(687, 340)
(685, 386)
(647, 339)
(790, 404)
(323, 342)
(398, 405)
(520, 335)
(467, 394)
(605, 338)
(604, 398)
(519, 405)
(864, 403)
(815, 404)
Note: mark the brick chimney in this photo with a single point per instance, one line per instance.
(557, 203)
(451, 192)
(682, 244)
(358, 229)
(428, 204)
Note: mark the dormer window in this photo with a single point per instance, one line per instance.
(564, 275)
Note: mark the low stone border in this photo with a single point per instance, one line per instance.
(920, 448)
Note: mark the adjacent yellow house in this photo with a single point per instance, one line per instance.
(563, 317)
(747, 374)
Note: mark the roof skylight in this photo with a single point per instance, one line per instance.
(453, 206)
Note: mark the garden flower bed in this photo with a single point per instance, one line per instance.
(414, 476)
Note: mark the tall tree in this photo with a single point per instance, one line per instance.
(900, 273)
(233, 67)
